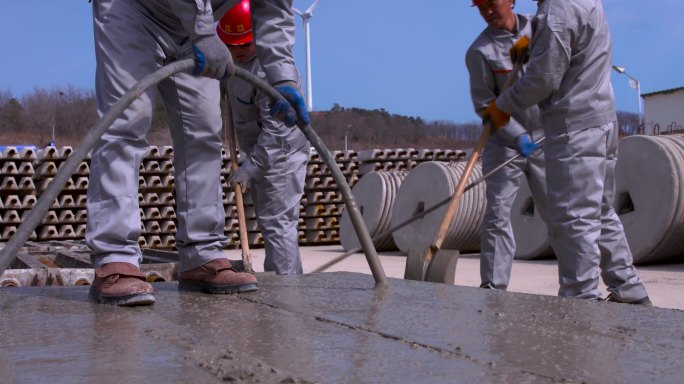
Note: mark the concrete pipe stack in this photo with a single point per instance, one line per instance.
(375, 194)
(321, 204)
(427, 185)
(529, 230)
(17, 188)
(649, 180)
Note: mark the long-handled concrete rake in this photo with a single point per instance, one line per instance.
(434, 263)
(237, 188)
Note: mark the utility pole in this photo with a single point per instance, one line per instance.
(634, 84)
(306, 15)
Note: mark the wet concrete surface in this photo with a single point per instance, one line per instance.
(336, 328)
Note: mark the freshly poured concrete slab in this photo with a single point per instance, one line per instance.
(336, 328)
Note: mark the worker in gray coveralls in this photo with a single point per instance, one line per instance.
(489, 66)
(274, 169)
(132, 40)
(568, 76)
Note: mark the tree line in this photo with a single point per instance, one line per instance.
(66, 114)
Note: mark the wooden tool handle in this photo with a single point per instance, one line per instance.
(239, 201)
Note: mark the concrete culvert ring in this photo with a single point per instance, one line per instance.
(154, 277)
(529, 230)
(82, 281)
(374, 194)
(670, 247)
(427, 185)
(9, 283)
(646, 194)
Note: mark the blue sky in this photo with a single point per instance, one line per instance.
(403, 56)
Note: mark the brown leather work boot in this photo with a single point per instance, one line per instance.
(216, 276)
(645, 301)
(121, 284)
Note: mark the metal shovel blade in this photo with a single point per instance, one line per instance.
(437, 266)
(416, 264)
(443, 267)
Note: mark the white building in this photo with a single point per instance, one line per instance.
(664, 111)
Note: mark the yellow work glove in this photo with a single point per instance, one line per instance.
(498, 117)
(520, 50)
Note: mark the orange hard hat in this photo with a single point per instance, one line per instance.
(235, 27)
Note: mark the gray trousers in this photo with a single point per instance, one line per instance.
(497, 243)
(586, 233)
(132, 41)
(277, 197)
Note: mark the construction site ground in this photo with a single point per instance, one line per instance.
(664, 282)
(339, 327)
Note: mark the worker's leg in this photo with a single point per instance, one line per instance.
(535, 172)
(194, 116)
(497, 243)
(617, 269)
(125, 53)
(277, 198)
(575, 174)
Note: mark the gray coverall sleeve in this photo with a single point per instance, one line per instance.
(196, 16)
(483, 90)
(273, 137)
(549, 60)
(274, 33)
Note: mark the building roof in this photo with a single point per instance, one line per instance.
(665, 91)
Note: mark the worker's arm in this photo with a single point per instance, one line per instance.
(483, 90)
(272, 139)
(196, 16)
(274, 34)
(211, 55)
(549, 61)
(273, 28)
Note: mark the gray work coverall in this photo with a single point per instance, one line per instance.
(489, 65)
(277, 157)
(133, 39)
(569, 77)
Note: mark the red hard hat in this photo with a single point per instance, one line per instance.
(235, 27)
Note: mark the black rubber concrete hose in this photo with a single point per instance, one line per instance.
(42, 206)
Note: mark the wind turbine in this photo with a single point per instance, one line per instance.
(305, 19)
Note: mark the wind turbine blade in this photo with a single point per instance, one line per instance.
(297, 11)
(311, 8)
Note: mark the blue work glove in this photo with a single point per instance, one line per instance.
(525, 145)
(243, 175)
(293, 98)
(213, 58)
